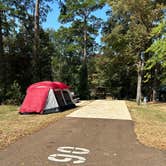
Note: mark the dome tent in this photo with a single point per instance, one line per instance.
(47, 97)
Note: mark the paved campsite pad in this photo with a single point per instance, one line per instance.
(104, 109)
(110, 142)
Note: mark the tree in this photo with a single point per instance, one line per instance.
(16, 47)
(158, 47)
(66, 60)
(129, 34)
(36, 41)
(1, 38)
(6, 25)
(157, 60)
(41, 10)
(80, 14)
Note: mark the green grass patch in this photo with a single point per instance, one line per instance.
(150, 123)
(150, 114)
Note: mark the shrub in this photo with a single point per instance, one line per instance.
(14, 95)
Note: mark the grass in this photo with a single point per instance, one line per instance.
(150, 123)
(14, 126)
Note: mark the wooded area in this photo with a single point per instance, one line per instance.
(129, 64)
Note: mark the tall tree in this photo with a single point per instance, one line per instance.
(156, 64)
(36, 41)
(66, 57)
(129, 34)
(16, 34)
(5, 29)
(42, 7)
(80, 14)
(1, 38)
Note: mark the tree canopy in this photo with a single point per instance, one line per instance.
(130, 63)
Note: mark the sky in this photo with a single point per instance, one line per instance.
(52, 18)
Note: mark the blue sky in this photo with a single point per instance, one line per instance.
(52, 18)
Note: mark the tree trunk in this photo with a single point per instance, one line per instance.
(1, 37)
(83, 85)
(1, 61)
(36, 43)
(36, 26)
(154, 94)
(85, 40)
(139, 81)
(154, 89)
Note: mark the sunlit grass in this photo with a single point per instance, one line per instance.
(150, 123)
(13, 125)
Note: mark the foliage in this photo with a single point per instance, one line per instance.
(156, 64)
(113, 73)
(127, 33)
(84, 28)
(16, 45)
(133, 35)
(158, 47)
(66, 57)
(14, 95)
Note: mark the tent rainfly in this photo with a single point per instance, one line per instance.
(47, 97)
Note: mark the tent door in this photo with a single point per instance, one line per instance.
(51, 103)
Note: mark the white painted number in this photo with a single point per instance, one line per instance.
(68, 154)
(73, 150)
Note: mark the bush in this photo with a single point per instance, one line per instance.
(14, 95)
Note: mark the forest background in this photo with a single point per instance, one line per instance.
(128, 63)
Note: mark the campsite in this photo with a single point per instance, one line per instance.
(24, 128)
(82, 82)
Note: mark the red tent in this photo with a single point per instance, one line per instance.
(47, 97)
